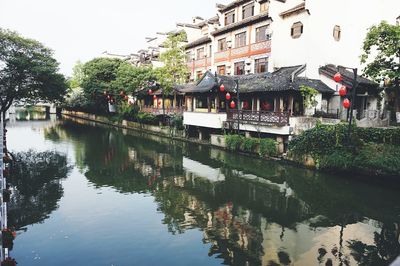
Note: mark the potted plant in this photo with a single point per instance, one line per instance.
(9, 262)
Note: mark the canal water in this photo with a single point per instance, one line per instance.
(88, 194)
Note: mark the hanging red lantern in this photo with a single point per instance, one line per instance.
(126, 97)
(342, 91)
(232, 104)
(154, 97)
(346, 103)
(228, 96)
(337, 77)
(222, 88)
(150, 91)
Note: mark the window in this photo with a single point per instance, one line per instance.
(201, 102)
(267, 104)
(264, 7)
(199, 74)
(200, 53)
(297, 30)
(248, 11)
(188, 56)
(261, 65)
(221, 70)
(222, 45)
(230, 18)
(336, 33)
(262, 34)
(240, 39)
(239, 68)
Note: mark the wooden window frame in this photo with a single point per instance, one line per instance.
(297, 30)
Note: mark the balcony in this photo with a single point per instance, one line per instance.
(244, 51)
(159, 111)
(259, 117)
(200, 63)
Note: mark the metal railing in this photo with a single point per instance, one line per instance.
(3, 181)
(160, 110)
(259, 117)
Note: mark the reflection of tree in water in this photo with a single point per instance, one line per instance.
(385, 249)
(233, 213)
(36, 179)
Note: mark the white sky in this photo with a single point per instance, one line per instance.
(83, 29)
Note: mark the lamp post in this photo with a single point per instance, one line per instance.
(238, 105)
(337, 77)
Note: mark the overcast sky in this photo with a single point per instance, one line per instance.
(83, 29)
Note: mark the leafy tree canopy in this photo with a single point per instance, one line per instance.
(28, 71)
(77, 76)
(381, 51)
(175, 70)
(113, 75)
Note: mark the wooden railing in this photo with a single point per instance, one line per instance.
(259, 117)
(160, 111)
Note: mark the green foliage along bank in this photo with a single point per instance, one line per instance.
(371, 151)
(262, 147)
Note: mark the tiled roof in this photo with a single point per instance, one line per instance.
(197, 42)
(284, 79)
(245, 22)
(292, 10)
(223, 8)
(348, 76)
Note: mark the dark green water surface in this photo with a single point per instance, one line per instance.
(94, 195)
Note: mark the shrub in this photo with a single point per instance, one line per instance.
(268, 147)
(147, 118)
(233, 142)
(176, 121)
(249, 144)
(127, 111)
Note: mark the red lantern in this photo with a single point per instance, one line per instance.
(337, 77)
(346, 103)
(232, 104)
(342, 91)
(126, 97)
(150, 91)
(154, 97)
(228, 96)
(222, 88)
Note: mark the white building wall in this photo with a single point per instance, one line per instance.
(317, 47)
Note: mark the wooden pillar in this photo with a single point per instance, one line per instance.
(291, 104)
(209, 103)
(193, 103)
(216, 104)
(258, 104)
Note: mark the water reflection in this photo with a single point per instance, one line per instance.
(251, 212)
(36, 182)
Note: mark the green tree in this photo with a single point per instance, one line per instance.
(113, 75)
(77, 76)
(381, 54)
(175, 70)
(28, 71)
(100, 74)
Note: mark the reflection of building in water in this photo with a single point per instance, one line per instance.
(253, 221)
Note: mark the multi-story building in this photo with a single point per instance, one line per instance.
(257, 38)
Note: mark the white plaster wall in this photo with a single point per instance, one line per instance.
(210, 120)
(285, 130)
(317, 47)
